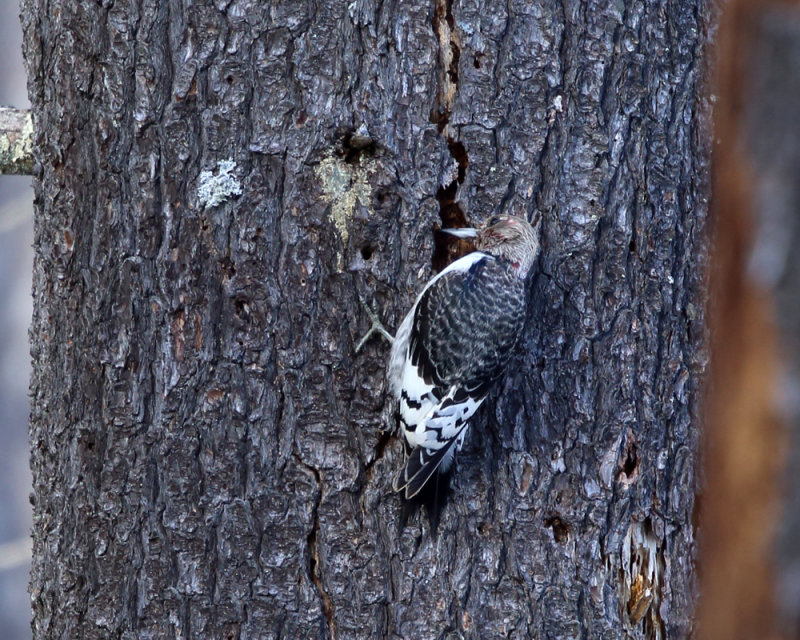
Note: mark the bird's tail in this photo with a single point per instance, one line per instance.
(426, 481)
(433, 496)
(421, 465)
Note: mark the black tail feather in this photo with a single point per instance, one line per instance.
(432, 496)
(420, 467)
(425, 480)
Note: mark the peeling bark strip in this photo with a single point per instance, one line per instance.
(212, 460)
(16, 141)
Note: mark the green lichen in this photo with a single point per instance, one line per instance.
(343, 186)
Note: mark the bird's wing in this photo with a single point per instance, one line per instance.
(462, 331)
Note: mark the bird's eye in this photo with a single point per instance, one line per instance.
(493, 221)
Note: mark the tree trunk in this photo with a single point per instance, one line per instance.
(217, 184)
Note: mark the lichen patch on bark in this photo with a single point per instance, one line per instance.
(16, 141)
(343, 186)
(215, 187)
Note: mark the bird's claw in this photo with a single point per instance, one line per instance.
(376, 326)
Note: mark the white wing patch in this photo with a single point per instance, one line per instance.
(434, 422)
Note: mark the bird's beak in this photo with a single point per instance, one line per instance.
(465, 232)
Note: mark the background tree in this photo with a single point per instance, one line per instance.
(216, 184)
(750, 585)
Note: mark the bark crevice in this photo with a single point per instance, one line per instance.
(447, 248)
(312, 543)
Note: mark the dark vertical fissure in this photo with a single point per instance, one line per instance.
(314, 570)
(446, 248)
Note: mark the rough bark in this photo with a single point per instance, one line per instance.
(210, 457)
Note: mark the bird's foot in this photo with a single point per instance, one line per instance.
(375, 327)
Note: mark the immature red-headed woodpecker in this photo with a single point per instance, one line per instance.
(455, 343)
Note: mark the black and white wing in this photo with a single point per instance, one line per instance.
(450, 349)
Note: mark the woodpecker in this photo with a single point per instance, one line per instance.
(455, 343)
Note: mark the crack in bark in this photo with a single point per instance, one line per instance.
(314, 573)
(449, 54)
(380, 450)
(446, 248)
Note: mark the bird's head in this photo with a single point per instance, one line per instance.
(506, 237)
